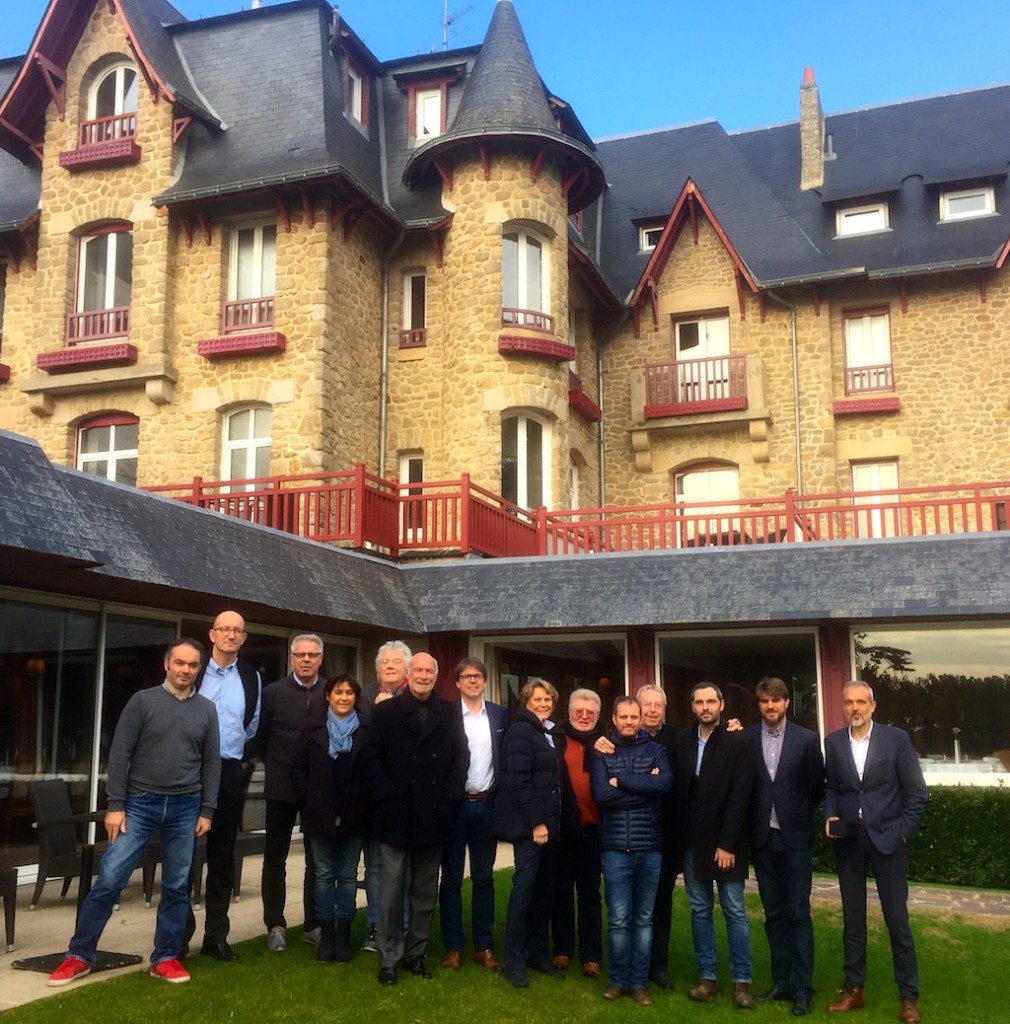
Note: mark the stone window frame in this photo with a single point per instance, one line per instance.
(116, 458)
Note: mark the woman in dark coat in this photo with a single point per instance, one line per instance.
(327, 779)
(534, 805)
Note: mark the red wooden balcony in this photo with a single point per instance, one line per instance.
(98, 324)
(104, 141)
(533, 319)
(107, 129)
(361, 510)
(864, 380)
(413, 337)
(247, 314)
(689, 386)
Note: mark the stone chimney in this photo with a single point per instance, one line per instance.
(811, 133)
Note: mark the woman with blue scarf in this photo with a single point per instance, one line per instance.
(327, 779)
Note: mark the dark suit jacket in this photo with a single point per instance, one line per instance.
(796, 791)
(415, 763)
(498, 718)
(892, 793)
(717, 801)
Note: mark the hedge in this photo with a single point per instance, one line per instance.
(963, 839)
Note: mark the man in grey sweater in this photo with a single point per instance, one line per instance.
(164, 771)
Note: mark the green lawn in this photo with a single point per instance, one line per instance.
(963, 968)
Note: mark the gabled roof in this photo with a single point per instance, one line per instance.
(505, 99)
(20, 183)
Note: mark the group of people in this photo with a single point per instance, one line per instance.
(417, 785)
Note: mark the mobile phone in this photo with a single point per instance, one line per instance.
(838, 829)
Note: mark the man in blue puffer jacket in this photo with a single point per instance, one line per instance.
(628, 786)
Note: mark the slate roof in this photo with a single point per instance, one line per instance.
(76, 534)
(20, 183)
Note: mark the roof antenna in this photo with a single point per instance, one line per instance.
(450, 19)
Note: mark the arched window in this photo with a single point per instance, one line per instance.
(104, 283)
(114, 92)
(107, 447)
(525, 460)
(247, 440)
(526, 285)
(710, 493)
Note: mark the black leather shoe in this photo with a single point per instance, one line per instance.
(774, 994)
(387, 975)
(801, 1005)
(517, 979)
(660, 977)
(545, 967)
(417, 968)
(219, 951)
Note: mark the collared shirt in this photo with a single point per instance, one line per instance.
(860, 748)
(224, 687)
(169, 689)
(477, 726)
(771, 751)
(702, 740)
(306, 686)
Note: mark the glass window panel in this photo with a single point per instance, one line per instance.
(94, 282)
(123, 245)
(510, 270)
(534, 464)
(127, 436)
(269, 261)
(238, 424)
(510, 459)
(97, 467)
(534, 274)
(263, 420)
(417, 301)
(129, 91)
(106, 95)
(96, 439)
(246, 267)
(237, 464)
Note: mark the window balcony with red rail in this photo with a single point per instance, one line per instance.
(690, 386)
(414, 337)
(104, 142)
(95, 340)
(434, 518)
(246, 329)
(868, 389)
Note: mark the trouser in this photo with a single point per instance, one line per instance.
(280, 822)
(397, 942)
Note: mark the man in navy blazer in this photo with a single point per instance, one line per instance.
(789, 784)
(873, 805)
(484, 724)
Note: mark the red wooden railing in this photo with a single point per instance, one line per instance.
(108, 129)
(96, 324)
(861, 380)
(532, 318)
(365, 511)
(696, 385)
(244, 313)
(413, 337)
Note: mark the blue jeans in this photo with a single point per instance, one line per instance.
(702, 903)
(336, 863)
(472, 830)
(630, 879)
(174, 819)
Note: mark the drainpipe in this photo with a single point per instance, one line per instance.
(796, 385)
(608, 336)
(384, 353)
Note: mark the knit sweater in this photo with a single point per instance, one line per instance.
(166, 746)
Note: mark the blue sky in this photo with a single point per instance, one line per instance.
(654, 63)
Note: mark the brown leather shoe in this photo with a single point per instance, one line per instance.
(562, 962)
(613, 993)
(591, 969)
(850, 999)
(742, 999)
(909, 1012)
(640, 997)
(486, 958)
(703, 991)
(452, 960)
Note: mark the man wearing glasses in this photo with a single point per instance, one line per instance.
(234, 687)
(484, 724)
(287, 704)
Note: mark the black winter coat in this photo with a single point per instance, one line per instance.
(415, 766)
(631, 813)
(332, 791)
(534, 788)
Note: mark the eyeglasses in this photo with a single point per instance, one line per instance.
(230, 630)
(307, 654)
(584, 712)
(469, 677)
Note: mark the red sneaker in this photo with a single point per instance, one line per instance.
(70, 970)
(170, 970)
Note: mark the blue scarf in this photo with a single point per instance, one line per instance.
(340, 731)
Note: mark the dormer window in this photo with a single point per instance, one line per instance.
(114, 93)
(356, 93)
(861, 220)
(428, 113)
(967, 203)
(108, 134)
(649, 236)
(427, 101)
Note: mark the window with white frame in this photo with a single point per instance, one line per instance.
(868, 351)
(427, 113)
(356, 95)
(525, 280)
(114, 93)
(861, 220)
(648, 237)
(874, 485)
(412, 474)
(252, 276)
(526, 460)
(104, 283)
(107, 447)
(247, 443)
(415, 288)
(701, 348)
(967, 203)
(710, 495)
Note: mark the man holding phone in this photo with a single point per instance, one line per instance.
(873, 804)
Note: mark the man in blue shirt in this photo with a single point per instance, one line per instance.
(234, 687)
